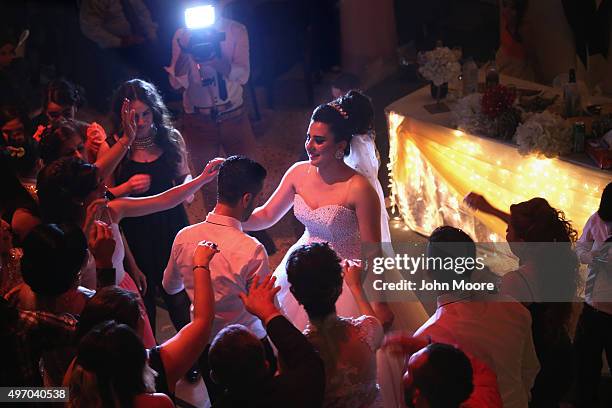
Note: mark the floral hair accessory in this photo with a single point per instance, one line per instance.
(338, 108)
(39, 132)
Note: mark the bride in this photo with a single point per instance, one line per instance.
(339, 205)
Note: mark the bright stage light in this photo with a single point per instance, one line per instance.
(199, 17)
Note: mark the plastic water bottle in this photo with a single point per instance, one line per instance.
(470, 77)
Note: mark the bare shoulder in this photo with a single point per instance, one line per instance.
(362, 188)
(156, 400)
(297, 170)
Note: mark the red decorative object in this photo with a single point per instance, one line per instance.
(497, 100)
(600, 153)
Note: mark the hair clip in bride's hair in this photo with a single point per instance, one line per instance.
(338, 108)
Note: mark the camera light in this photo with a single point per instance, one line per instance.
(199, 17)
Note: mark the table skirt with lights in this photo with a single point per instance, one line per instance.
(432, 167)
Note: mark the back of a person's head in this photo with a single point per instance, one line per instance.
(605, 205)
(64, 93)
(549, 236)
(110, 368)
(239, 175)
(52, 258)
(237, 358)
(536, 220)
(63, 186)
(110, 303)
(54, 138)
(450, 242)
(315, 275)
(445, 379)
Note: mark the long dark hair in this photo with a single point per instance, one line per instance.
(110, 368)
(315, 275)
(166, 136)
(63, 187)
(64, 93)
(538, 222)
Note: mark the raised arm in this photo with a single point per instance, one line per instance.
(479, 203)
(181, 351)
(136, 207)
(108, 160)
(352, 276)
(277, 205)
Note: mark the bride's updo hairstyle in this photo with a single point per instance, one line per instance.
(315, 275)
(349, 115)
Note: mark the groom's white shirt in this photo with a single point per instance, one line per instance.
(240, 258)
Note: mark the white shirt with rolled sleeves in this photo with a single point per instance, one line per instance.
(104, 22)
(594, 235)
(235, 49)
(496, 330)
(240, 258)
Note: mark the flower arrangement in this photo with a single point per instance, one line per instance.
(468, 115)
(439, 65)
(544, 134)
(497, 100)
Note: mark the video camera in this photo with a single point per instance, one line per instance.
(205, 41)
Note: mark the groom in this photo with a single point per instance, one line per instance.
(241, 257)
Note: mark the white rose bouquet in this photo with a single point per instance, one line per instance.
(439, 65)
(544, 134)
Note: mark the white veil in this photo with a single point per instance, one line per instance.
(410, 314)
(363, 158)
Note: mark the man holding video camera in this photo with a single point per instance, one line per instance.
(210, 65)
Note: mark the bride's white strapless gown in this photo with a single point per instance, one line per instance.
(338, 225)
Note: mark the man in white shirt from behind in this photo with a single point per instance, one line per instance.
(240, 258)
(491, 327)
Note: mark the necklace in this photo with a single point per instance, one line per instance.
(143, 143)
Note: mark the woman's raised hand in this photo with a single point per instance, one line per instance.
(128, 120)
(477, 202)
(403, 344)
(93, 213)
(352, 272)
(204, 253)
(102, 244)
(259, 300)
(211, 169)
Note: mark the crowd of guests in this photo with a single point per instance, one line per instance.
(94, 234)
(94, 231)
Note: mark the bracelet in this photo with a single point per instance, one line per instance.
(126, 145)
(201, 266)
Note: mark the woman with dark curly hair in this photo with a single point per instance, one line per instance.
(546, 283)
(158, 156)
(61, 101)
(347, 344)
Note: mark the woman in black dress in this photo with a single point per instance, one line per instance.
(157, 154)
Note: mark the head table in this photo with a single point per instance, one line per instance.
(433, 166)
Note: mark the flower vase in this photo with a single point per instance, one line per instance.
(439, 92)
